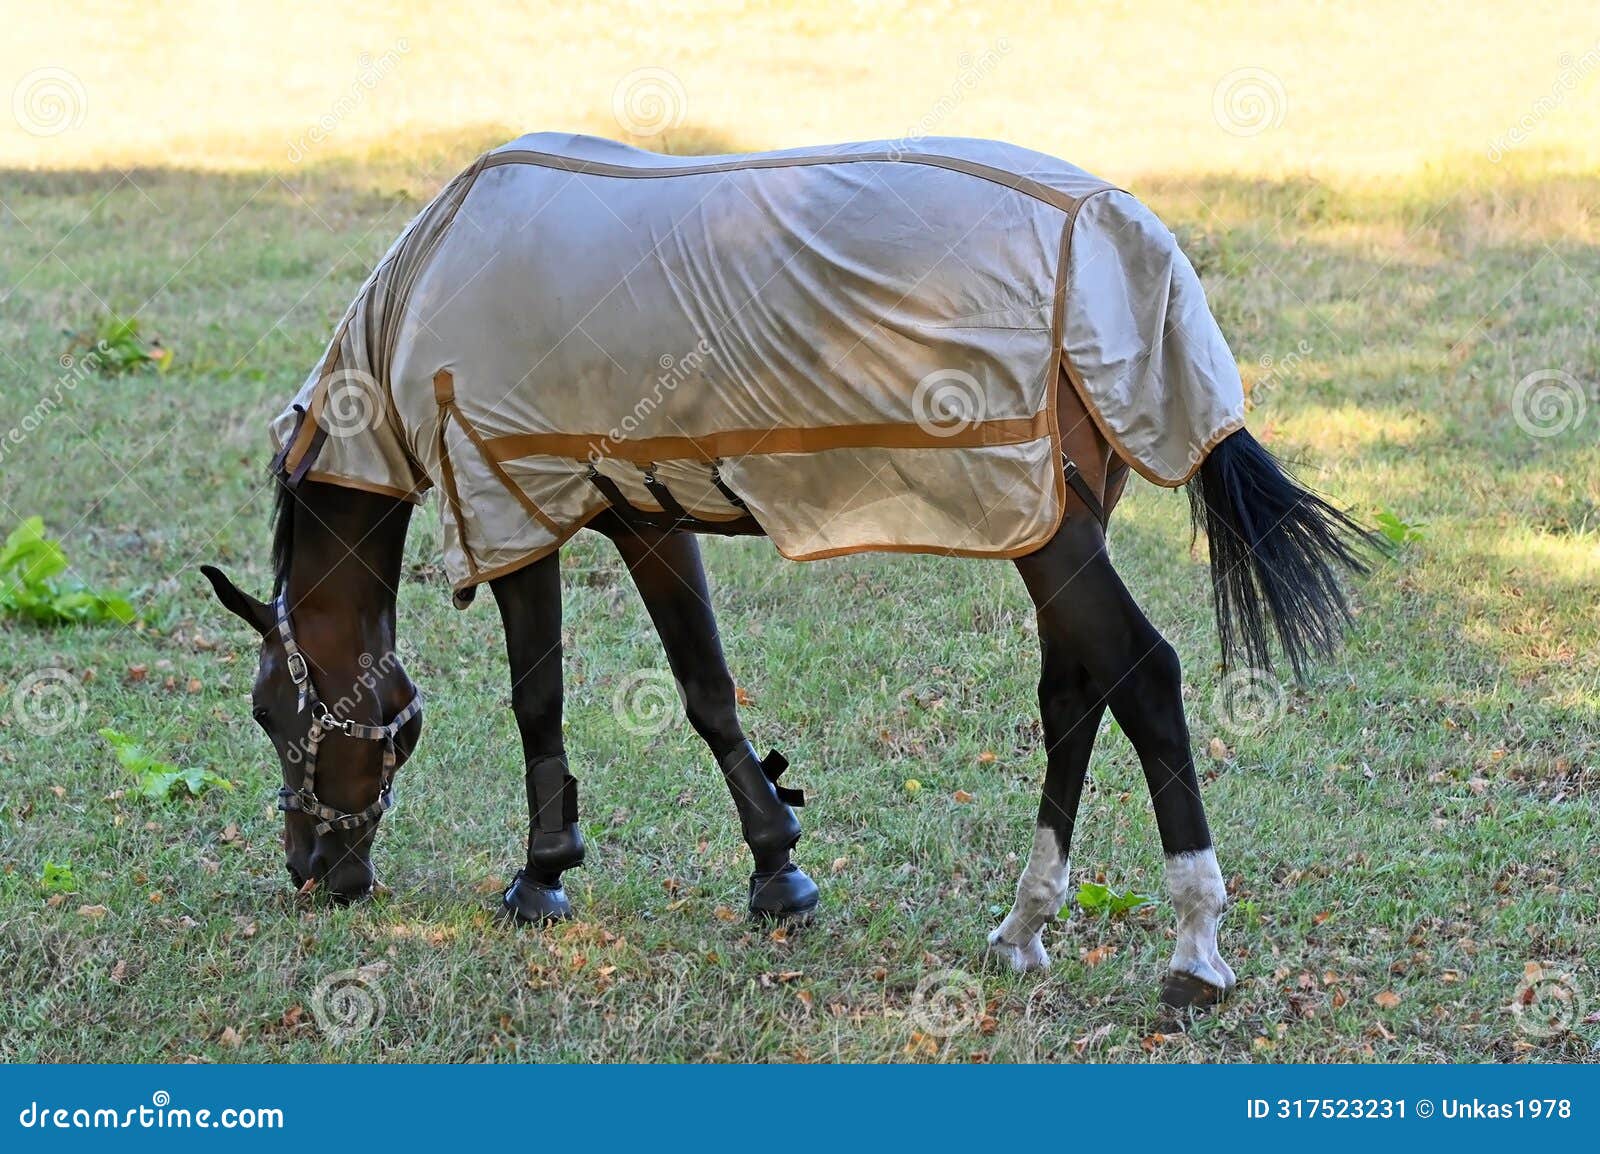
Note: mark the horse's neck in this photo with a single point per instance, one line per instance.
(345, 557)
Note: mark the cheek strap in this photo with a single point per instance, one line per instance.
(323, 722)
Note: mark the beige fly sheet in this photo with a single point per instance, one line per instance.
(858, 345)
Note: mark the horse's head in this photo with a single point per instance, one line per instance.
(332, 697)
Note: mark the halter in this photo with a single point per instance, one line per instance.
(304, 800)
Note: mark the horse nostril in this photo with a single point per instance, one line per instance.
(346, 879)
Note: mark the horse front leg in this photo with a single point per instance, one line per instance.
(530, 608)
(666, 569)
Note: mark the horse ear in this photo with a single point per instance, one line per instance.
(236, 601)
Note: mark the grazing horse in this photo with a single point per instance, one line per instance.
(1061, 414)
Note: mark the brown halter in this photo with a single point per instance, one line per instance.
(323, 722)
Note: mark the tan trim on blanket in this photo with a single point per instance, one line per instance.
(1012, 180)
(523, 562)
(410, 264)
(1128, 458)
(761, 442)
(414, 497)
(1078, 386)
(544, 551)
(444, 391)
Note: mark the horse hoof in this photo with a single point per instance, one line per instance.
(782, 896)
(1023, 959)
(1187, 992)
(535, 904)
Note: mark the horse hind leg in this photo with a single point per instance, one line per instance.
(1084, 607)
(1071, 718)
(1069, 711)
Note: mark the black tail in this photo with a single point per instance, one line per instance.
(1274, 542)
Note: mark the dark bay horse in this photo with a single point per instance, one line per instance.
(332, 696)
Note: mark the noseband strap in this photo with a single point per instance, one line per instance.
(323, 722)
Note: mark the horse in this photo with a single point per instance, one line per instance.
(343, 715)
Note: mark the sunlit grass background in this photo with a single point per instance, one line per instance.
(1394, 211)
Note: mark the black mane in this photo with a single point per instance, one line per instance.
(282, 534)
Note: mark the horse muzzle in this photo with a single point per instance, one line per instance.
(333, 866)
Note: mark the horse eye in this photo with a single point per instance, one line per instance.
(262, 716)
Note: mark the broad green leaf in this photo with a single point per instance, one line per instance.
(1396, 529)
(55, 878)
(31, 564)
(159, 780)
(1093, 897)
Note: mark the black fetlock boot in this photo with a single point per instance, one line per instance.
(554, 844)
(778, 888)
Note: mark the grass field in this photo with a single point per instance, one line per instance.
(1404, 234)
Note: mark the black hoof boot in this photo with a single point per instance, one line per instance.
(787, 894)
(533, 903)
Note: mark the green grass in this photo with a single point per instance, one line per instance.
(1421, 822)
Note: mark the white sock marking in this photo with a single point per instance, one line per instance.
(1041, 892)
(1198, 896)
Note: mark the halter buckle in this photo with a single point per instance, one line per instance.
(299, 672)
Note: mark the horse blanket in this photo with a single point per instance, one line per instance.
(860, 345)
